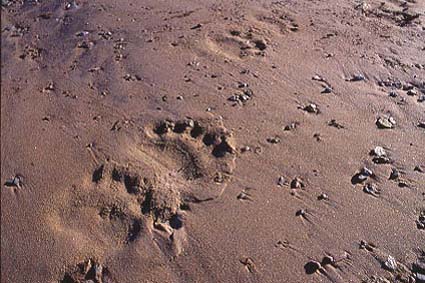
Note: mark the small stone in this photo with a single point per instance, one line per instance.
(297, 183)
(419, 168)
(274, 140)
(408, 86)
(327, 89)
(371, 189)
(281, 181)
(196, 26)
(334, 123)
(357, 78)
(312, 266)
(323, 196)
(393, 94)
(366, 171)
(390, 264)
(328, 260)
(395, 174)
(379, 151)
(421, 98)
(16, 181)
(317, 78)
(420, 278)
(311, 108)
(291, 126)
(385, 123)
(179, 97)
(421, 124)
(412, 92)
(245, 149)
(420, 223)
(300, 212)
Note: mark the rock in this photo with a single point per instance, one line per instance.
(380, 155)
(420, 278)
(300, 212)
(366, 171)
(419, 168)
(317, 78)
(394, 174)
(311, 108)
(361, 176)
(390, 264)
(371, 189)
(327, 89)
(245, 149)
(421, 98)
(385, 123)
(357, 78)
(274, 140)
(291, 126)
(412, 92)
(281, 181)
(312, 266)
(334, 123)
(196, 26)
(328, 260)
(407, 86)
(419, 266)
(297, 183)
(16, 181)
(393, 94)
(323, 196)
(378, 151)
(421, 221)
(421, 124)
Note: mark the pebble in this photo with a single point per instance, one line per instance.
(245, 149)
(390, 264)
(419, 168)
(357, 78)
(420, 223)
(379, 151)
(17, 181)
(311, 108)
(371, 189)
(300, 212)
(328, 260)
(412, 92)
(323, 196)
(291, 126)
(334, 123)
(421, 98)
(366, 171)
(317, 78)
(385, 123)
(312, 266)
(327, 89)
(196, 26)
(297, 183)
(281, 181)
(420, 278)
(273, 140)
(393, 94)
(395, 174)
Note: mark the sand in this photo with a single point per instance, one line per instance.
(213, 141)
